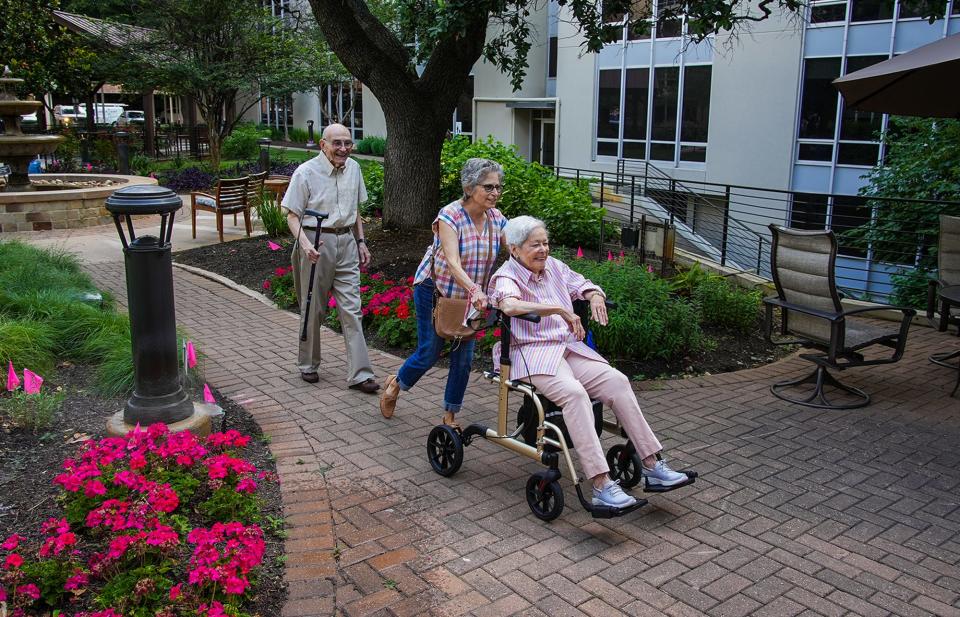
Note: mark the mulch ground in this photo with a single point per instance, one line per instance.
(29, 462)
(397, 254)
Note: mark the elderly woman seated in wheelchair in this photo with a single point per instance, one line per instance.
(552, 356)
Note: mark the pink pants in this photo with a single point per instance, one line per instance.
(579, 379)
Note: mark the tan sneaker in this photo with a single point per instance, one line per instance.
(389, 396)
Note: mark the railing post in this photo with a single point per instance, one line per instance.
(726, 228)
(759, 252)
(601, 188)
(633, 191)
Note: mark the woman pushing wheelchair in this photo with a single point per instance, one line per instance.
(552, 356)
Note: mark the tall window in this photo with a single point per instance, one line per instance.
(666, 90)
(871, 10)
(818, 108)
(661, 120)
(463, 114)
(608, 112)
(859, 129)
(696, 113)
(635, 113)
(828, 12)
(552, 57)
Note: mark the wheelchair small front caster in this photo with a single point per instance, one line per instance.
(544, 496)
(445, 450)
(625, 465)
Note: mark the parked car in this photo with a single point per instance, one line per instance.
(69, 114)
(131, 116)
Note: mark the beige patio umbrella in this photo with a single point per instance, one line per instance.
(924, 82)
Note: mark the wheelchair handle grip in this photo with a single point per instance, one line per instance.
(531, 317)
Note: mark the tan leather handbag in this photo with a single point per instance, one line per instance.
(449, 313)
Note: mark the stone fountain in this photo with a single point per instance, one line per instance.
(17, 149)
(66, 201)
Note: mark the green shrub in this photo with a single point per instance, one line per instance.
(649, 321)
(372, 144)
(529, 188)
(104, 153)
(45, 317)
(27, 343)
(272, 216)
(33, 412)
(373, 179)
(910, 287)
(242, 142)
(142, 165)
(727, 306)
(67, 153)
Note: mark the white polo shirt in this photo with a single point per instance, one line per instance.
(318, 185)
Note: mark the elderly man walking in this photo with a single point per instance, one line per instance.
(330, 183)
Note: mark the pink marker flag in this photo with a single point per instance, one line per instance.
(13, 382)
(579, 253)
(273, 246)
(31, 381)
(191, 355)
(208, 395)
(609, 256)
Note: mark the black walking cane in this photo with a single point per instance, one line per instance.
(313, 269)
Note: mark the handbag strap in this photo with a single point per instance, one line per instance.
(433, 269)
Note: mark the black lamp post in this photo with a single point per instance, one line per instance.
(123, 152)
(264, 153)
(310, 142)
(158, 395)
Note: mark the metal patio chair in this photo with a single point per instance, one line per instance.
(948, 272)
(803, 267)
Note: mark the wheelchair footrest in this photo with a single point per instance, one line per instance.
(691, 478)
(612, 512)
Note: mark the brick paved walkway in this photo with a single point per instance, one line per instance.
(797, 512)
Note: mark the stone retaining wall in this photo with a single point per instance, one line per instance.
(66, 209)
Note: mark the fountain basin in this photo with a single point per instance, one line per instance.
(73, 208)
(19, 108)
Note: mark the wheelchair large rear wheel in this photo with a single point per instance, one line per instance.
(545, 497)
(624, 467)
(445, 450)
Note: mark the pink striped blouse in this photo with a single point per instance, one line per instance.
(537, 349)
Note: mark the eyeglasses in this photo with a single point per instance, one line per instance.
(341, 143)
(492, 187)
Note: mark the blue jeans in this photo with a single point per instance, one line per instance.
(429, 346)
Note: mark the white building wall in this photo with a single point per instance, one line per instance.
(576, 90)
(753, 106)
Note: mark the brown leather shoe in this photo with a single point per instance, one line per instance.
(370, 386)
(310, 377)
(388, 399)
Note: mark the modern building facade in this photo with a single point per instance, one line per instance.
(757, 109)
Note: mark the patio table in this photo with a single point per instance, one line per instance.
(949, 296)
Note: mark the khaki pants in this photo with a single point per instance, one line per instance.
(338, 270)
(579, 379)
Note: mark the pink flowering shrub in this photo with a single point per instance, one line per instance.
(156, 524)
(387, 305)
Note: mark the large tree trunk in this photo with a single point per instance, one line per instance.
(411, 169)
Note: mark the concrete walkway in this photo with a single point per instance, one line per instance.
(797, 512)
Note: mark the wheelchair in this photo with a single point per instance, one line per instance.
(541, 434)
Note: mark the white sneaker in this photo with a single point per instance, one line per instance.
(612, 495)
(662, 475)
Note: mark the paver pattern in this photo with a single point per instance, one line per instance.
(797, 511)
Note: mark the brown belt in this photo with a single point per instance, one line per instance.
(331, 230)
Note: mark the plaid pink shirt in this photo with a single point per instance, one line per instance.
(538, 348)
(476, 256)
